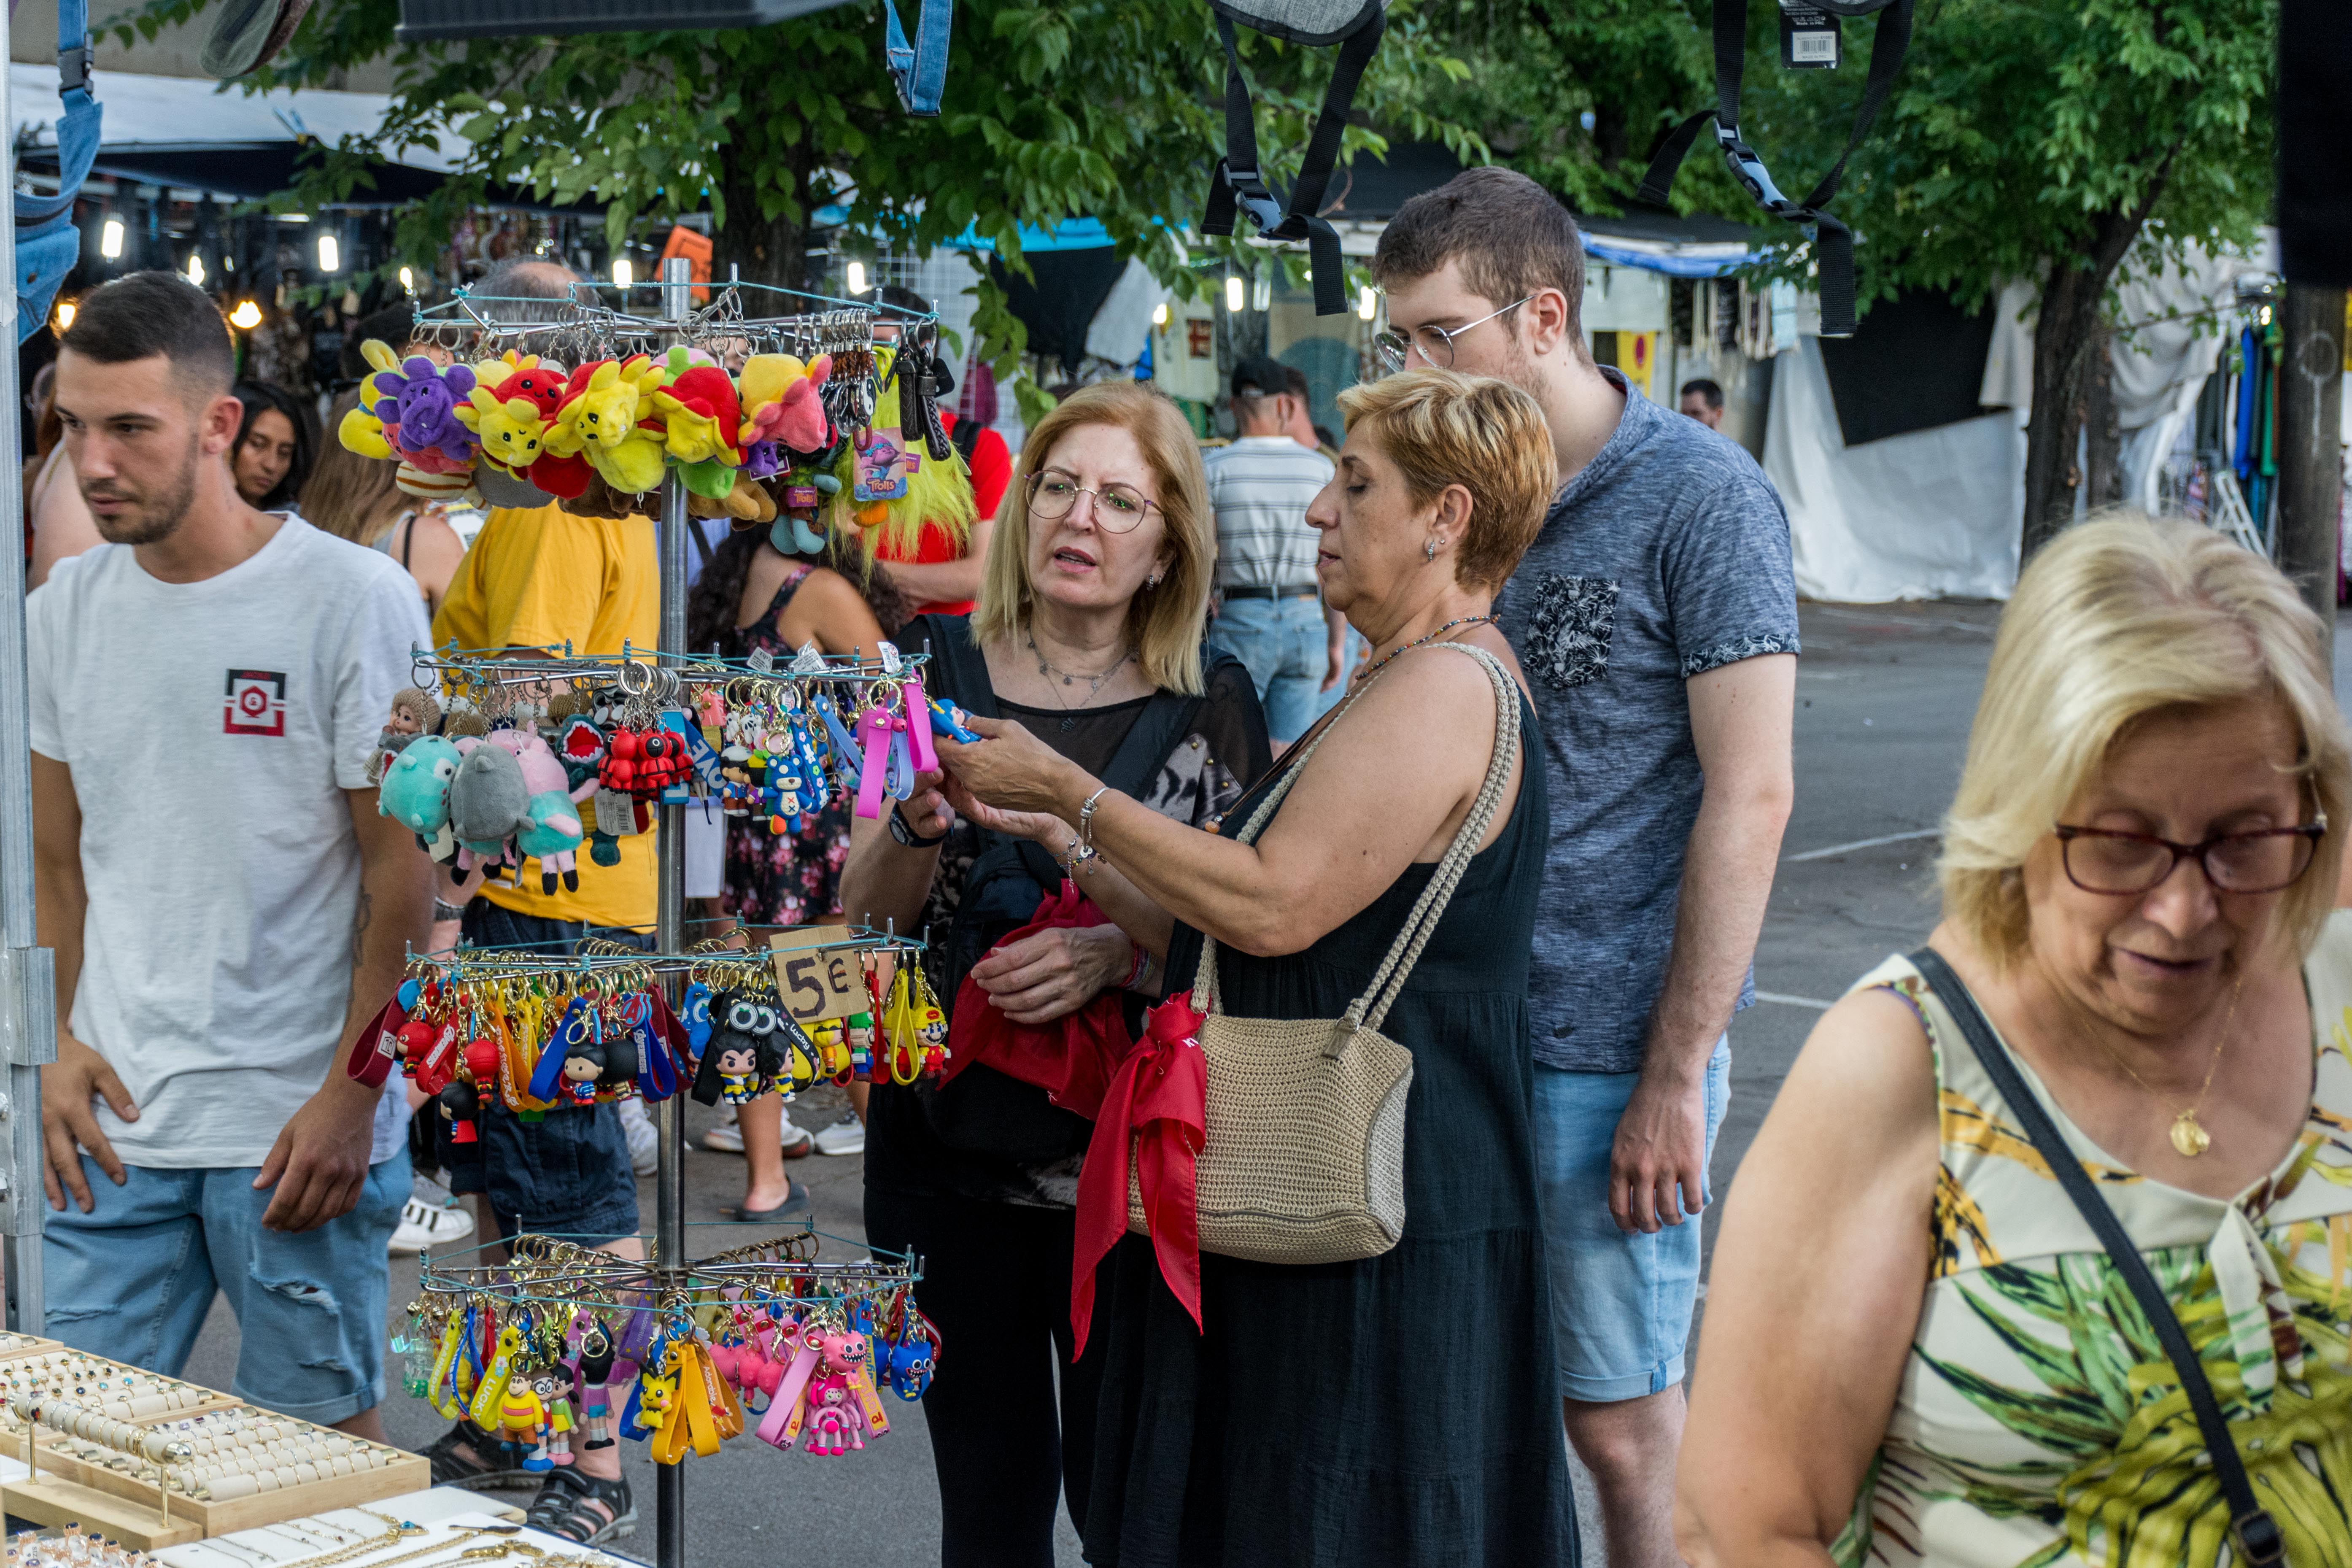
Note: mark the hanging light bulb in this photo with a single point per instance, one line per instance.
(1159, 314)
(624, 273)
(65, 317)
(857, 277)
(247, 316)
(407, 281)
(1233, 294)
(109, 239)
(1262, 292)
(1368, 304)
(331, 254)
(196, 270)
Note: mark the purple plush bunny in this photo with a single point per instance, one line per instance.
(763, 460)
(423, 408)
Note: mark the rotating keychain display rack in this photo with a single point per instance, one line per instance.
(778, 1271)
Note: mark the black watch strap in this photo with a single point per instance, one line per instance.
(908, 835)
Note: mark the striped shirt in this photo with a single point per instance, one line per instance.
(1260, 487)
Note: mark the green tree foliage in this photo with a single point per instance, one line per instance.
(1109, 109)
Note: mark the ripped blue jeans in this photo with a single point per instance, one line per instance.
(133, 1279)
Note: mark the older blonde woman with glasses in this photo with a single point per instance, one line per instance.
(1403, 1409)
(1927, 1341)
(1087, 637)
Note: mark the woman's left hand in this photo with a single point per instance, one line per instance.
(1053, 974)
(1009, 767)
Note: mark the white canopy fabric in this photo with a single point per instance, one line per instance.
(160, 113)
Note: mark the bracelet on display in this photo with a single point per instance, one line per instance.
(442, 911)
(908, 835)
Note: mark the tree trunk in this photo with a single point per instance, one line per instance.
(2071, 325)
(771, 250)
(2103, 434)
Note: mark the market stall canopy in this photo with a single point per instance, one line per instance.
(191, 132)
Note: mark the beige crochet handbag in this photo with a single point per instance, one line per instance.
(1304, 1156)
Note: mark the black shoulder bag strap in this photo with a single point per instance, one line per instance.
(2255, 1533)
(1833, 242)
(1239, 184)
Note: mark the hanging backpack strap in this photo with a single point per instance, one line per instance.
(919, 70)
(1834, 241)
(1239, 184)
(47, 243)
(2252, 1530)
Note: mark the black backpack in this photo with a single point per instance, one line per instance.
(983, 1111)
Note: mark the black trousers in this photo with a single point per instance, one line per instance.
(996, 1281)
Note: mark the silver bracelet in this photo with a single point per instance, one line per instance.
(442, 911)
(1086, 818)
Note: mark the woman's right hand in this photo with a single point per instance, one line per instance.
(927, 812)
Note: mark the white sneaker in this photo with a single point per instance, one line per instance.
(645, 1143)
(424, 1224)
(846, 1136)
(726, 1139)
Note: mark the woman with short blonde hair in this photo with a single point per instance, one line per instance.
(1918, 1348)
(1086, 636)
(1402, 1409)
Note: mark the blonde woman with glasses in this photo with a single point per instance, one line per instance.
(1919, 1349)
(1086, 636)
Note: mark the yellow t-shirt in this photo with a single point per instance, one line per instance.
(540, 578)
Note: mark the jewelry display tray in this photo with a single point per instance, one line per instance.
(126, 1504)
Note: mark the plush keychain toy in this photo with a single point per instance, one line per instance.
(414, 711)
(700, 408)
(415, 789)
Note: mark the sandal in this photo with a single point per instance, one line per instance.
(584, 1508)
(452, 1468)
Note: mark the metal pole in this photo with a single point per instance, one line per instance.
(2311, 445)
(28, 1020)
(670, 1200)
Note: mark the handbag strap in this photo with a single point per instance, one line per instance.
(2257, 1535)
(1368, 1010)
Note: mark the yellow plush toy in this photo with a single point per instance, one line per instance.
(512, 432)
(605, 420)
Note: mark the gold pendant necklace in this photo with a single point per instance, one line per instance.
(2188, 1134)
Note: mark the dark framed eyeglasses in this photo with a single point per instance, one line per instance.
(1118, 508)
(2266, 860)
(1391, 348)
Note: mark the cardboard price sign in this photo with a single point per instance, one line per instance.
(816, 982)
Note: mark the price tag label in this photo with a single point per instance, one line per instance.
(815, 982)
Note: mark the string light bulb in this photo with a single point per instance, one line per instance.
(247, 316)
(196, 270)
(1233, 295)
(1368, 304)
(624, 273)
(109, 239)
(407, 281)
(1159, 314)
(66, 311)
(857, 277)
(331, 254)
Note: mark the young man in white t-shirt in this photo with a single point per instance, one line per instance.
(226, 906)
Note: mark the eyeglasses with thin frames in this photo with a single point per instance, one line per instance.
(1118, 508)
(2266, 860)
(1390, 349)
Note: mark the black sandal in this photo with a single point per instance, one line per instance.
(479, 1472)
(564, 1507)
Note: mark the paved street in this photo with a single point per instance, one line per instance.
(1885, 695)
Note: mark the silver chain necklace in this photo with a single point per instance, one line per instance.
(1095, 683)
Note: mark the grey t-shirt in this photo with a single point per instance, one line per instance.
(1667, 556)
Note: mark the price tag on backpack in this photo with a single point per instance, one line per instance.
(1809, 38)
(816, 984)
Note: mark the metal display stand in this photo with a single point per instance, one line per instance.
(28, 1022)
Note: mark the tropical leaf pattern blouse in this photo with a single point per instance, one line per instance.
(2039, 1423)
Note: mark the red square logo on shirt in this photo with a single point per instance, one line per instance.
(256, 703)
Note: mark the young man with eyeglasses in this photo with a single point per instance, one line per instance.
(1270, 611)
(1657, 618)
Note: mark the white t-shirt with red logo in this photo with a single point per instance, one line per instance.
(211, 728)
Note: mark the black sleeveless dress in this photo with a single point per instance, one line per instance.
(1405, 1409)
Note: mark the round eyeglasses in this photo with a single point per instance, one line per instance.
(2266, 860)
(1391, 348)
(1118, 508)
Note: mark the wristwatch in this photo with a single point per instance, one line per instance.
(442, 911)
(908, 835)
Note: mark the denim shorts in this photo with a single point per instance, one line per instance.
(133, 1279)
(568, 1173)
(1284, 647)
(1621, 1302)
